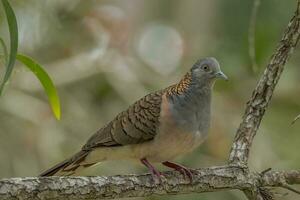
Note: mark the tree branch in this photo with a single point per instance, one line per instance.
(263, 92)
(206, 180)
(236, 175)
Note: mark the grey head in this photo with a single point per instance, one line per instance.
(191, 109)
(205, 71)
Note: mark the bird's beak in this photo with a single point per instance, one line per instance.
(221, 75)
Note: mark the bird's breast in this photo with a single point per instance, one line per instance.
(177, 135)
(180, 142)
(171, 143)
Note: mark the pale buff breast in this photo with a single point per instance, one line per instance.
(169, 146)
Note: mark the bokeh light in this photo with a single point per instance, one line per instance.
(158, 39)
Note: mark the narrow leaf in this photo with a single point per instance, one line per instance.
(45, 80)
(5, 54)
(13, 32)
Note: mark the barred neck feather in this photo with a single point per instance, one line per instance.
(180, 87)
(189, 84)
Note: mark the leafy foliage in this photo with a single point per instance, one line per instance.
(37, 69)
(13, 32)
(45, 80)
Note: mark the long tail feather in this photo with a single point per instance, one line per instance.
(67, 167)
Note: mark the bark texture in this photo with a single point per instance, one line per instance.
(206, 180)
(263, 92)
(235, 175)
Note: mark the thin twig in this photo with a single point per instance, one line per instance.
(265, 171)
(251, 35)
(286, 186)
(296, 118)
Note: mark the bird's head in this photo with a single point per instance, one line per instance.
(207, 70)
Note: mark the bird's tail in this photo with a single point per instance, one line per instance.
(69, 166)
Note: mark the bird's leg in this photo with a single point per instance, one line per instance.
(182, 169)
(154, 172)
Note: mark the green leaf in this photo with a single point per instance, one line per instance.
(5, 54)
(13, 32)
(45, 80)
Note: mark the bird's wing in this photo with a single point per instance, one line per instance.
(139, 123)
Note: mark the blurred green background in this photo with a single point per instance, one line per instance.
(103, 55)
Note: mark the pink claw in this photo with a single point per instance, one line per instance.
(183, 170)
(154, 172)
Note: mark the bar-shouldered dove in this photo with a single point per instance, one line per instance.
(157, 128)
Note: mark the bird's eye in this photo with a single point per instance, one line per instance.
(205, 67)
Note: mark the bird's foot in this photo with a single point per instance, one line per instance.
(186, 172)
(156, 175)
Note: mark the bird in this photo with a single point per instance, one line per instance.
(156, 128)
